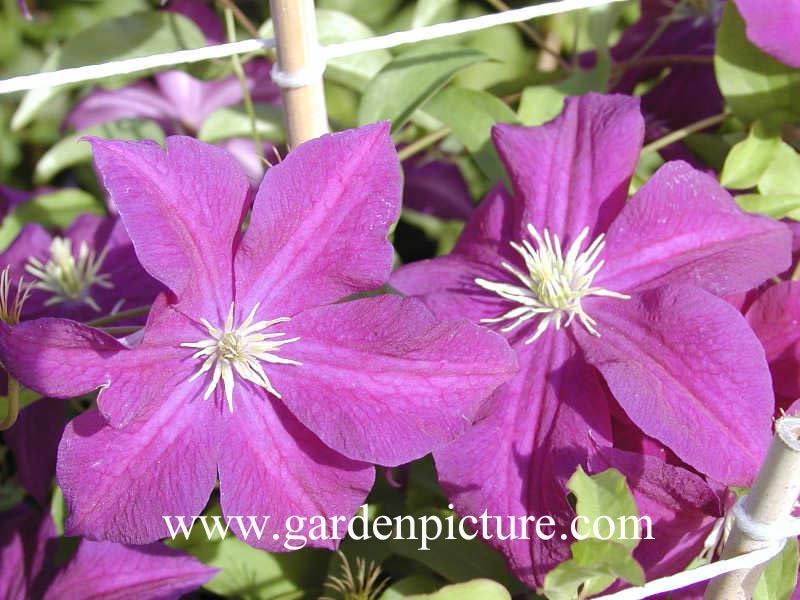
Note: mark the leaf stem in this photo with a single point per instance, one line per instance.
(124, 314)
(13, 404)
(246, 23)
(422, 143)
(683, 132)
(248, 100)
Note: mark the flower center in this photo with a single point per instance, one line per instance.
(67, 279)
(11, 308)
(239, 349)
(554, 284)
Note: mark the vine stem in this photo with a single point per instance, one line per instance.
(683, 132)
(120, 316)
(422, 143)
(13, 404)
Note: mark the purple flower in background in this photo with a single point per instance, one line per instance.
(251, 369)
(87, 272)
(28, 567)
(23, 8)
(180, 103)
(672, 33)
(774, 29)
(437, 188)
(592, 292)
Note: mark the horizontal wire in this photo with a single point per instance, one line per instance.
(88, 73)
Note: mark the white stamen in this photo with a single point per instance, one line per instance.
(239, 349)
(68, 279)
(554, 284)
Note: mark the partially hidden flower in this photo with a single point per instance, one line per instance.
(180, 103)
(29, 567)
(252, 370)
(775, 30)
(86, 272)
(604, 301)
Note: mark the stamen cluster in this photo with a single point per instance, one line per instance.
(239, 349)
(68, 279)
(554, 284)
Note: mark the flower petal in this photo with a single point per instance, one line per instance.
(775, 317)
(33, 441)
(27, 556)
(682, 227)
(515, 461)
(120, 483)
(270, 464)
(117, 572)
(183, 210)
(320, 220)
(689, 372)
(776, 30)
(573, 172)
(138, 100)
(382, 381)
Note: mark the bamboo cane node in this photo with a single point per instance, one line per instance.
(774, 532)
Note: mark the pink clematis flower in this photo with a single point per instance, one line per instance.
(602, 297)
(251, 370)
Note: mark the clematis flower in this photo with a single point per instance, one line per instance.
(250, 370)
(180, 103)
(87, 272)
(28, 567)
(601, 297)
(775, 31)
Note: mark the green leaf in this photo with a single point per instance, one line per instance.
(251, 574)
(779, 579)
(139, 34)
(370, 12)
(595, 565)
(749, 159)
(777, 206)
(334, 27)
(233, 121)
(409, 80)
(478, 588)
(753, 83)
(26, 397)
(416, 584)
(53, 209)
(782, 176)
(540, 103)
(470, 115)
(70, 151)
(457, 560)
(429, 12)
(605, 497)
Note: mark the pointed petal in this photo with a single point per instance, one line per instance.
(318, 229)
(689, 372)
(682, 227)
(528, 441)
(183, 209)
(117, 572)
(681, 505)
(382, 381)
(120, 483)
(33, 441)
(775, 317)
(270, 464)
(573, 172)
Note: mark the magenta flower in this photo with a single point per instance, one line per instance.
(87, 272)
(776, 30)
(251, 369)
(28, 566)
(598, 295)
